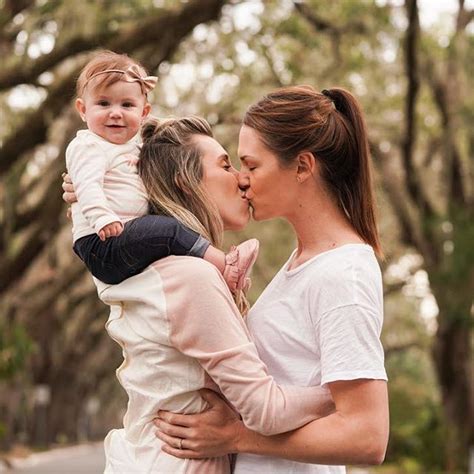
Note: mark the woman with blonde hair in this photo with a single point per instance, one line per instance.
(177, 323)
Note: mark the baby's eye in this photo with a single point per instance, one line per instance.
(128, 104)
(103, 103)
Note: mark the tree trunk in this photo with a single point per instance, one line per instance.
(453, 287)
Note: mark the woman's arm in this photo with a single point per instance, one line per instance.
(356, 433)
(204, 324)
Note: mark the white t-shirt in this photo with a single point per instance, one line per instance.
(318, 323)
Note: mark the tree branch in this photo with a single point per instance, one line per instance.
(27, 72)
(322, 25)
(408, 145)
(165, 31)
(446, 93)
(408, 214)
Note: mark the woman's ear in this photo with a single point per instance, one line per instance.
(306, 166)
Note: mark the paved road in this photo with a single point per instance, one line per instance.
(85, 459)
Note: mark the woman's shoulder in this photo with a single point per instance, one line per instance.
(186, 270)
(349, 276)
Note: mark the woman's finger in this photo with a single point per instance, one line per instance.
(173, 430)
(170, 441)
(177, 419)
(180, 453)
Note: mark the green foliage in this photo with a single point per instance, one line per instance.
(15, 348)
(416, 433)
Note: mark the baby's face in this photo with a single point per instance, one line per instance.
(115, 112)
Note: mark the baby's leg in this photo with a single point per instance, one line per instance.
(152, 237)
(149, 238)
(143, 241)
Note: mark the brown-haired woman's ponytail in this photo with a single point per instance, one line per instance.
(330, 124)
(356, 196)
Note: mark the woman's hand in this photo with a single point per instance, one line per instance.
(68, 196)
(214, 432)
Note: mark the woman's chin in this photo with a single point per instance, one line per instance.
(260, 216)
(238, 223)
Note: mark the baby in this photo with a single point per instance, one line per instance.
(109, 236)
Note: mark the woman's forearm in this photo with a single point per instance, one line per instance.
(330, 440)
(356, 433)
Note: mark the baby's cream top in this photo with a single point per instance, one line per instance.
(106, 183)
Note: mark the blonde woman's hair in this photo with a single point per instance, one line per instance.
(171, 169)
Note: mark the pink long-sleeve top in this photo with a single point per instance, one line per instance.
(180, 331)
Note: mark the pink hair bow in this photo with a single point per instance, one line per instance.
(132, 74)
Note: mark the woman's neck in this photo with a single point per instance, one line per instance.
(320, 225)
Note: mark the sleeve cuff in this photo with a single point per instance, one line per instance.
(354, 375)
(103, 221)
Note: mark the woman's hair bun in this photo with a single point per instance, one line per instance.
(150, 127)
(154, 126)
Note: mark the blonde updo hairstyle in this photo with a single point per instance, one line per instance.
(171, 169)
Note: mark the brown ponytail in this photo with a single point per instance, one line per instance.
(330, 125)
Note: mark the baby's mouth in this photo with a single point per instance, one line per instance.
(115, 126)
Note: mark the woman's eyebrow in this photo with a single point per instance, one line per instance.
(245, 158)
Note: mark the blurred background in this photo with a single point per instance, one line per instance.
(410, 64)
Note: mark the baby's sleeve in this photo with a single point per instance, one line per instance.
(87, 165)
(206, 325)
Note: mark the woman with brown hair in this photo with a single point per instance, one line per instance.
(305, 158)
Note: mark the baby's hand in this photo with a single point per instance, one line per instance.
(114, 229)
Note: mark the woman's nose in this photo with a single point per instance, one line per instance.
(244, 181)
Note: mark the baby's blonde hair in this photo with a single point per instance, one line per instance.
(103, 61)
